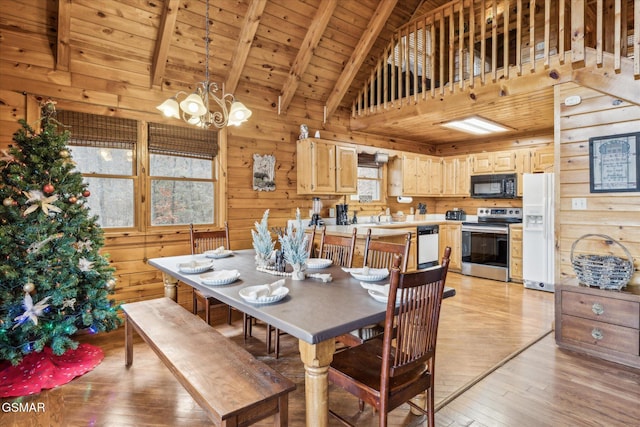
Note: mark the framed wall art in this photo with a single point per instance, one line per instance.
(614, 164)
(264, 172)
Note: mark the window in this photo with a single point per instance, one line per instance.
(103, 150)
(179, 183)
(181, 171)
(369, 179)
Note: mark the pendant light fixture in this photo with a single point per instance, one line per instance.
(203, 108)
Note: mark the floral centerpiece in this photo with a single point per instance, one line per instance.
(295, 248)
(262, 242)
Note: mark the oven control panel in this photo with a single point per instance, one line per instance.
(510, 214)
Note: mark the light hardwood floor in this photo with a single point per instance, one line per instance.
(497, 365)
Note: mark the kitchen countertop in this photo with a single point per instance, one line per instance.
(387, 229)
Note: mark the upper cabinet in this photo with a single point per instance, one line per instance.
(542, 159)
(326, 167)
(455, 176)
(493, 162)
(414, 175)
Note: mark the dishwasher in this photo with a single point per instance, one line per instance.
(427, 246)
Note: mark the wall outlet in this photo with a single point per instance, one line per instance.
(579, 203)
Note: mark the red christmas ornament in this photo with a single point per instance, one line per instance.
(48, 188)
(73, 199)
(86, 193)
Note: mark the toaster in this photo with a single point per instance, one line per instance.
(455, 215)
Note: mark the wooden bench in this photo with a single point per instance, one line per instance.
(233, 387)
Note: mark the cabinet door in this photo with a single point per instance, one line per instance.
(523, 165)
(409, 174)
(346, 169)
(323, 167)
(482, 163)
(504, 161)
(462, 177)
(542, 160)
(451, 235)
(428, 176)
(449, 174)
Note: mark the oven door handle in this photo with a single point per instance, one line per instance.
(485, 229)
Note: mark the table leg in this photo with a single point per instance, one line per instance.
(316, 359)
(170, 286)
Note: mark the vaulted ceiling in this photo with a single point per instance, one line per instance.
(319, 50)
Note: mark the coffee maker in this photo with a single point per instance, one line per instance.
(316, 207)
(342, 214)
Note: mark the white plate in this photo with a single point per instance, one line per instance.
(195, 267)
(218, 254)
(220, 277)
(313, 263)
(381, 297)
(276, 295)
(374, 275)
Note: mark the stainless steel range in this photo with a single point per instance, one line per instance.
(485, 244)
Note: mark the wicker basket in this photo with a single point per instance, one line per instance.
(603, 271)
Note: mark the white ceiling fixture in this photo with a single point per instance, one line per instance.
(475, 125)
(203, 108)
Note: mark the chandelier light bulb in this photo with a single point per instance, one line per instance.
(170, 108)
(193, 105)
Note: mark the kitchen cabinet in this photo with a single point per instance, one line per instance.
(494, 162)
(542, 159)
(451, 235)
(598, 322)
(326, 167)
(515, 252)
(414, 175)
(455, 176)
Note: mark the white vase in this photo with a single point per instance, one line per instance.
(262, 260)
(298, 271)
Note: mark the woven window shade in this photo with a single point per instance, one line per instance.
(182, 141)
(92, 130)
(366, 160)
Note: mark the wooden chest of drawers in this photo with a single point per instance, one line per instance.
(601, 323)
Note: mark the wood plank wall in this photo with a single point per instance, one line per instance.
(614, 214)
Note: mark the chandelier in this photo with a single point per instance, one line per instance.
(203, 108)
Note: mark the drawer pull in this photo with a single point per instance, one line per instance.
(597, 334)
(597, 308)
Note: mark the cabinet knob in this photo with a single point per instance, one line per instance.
(597, 308)
(597, 334)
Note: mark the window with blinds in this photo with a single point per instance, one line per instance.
(369, 178)
(103, 149)
(182, 178)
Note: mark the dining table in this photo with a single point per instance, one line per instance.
(313, 311)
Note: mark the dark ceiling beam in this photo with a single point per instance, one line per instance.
(63, 51)
(241, 51)
(306, 52)
(359, 54)
(167, 24)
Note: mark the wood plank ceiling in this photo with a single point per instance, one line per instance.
(319, 50)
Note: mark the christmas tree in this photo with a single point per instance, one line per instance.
(53, 280)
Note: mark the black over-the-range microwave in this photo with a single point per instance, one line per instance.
(496, 186)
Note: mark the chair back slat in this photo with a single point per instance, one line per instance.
(380, 254)
(202, 241)
(338, 248)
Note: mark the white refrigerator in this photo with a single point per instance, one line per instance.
(538, 263)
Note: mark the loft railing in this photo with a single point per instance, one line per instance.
(467, 42)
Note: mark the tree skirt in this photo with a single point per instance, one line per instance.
(39, 371)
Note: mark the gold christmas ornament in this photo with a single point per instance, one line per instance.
(8, 201)
(29, 287)
(111, 284)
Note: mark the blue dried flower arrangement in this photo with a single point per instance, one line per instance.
(294, 243)
(262, 242)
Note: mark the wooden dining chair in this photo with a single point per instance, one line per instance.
(389, 372)
(338, 248)
(377, 254)
(202, 241)
(311, 242)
